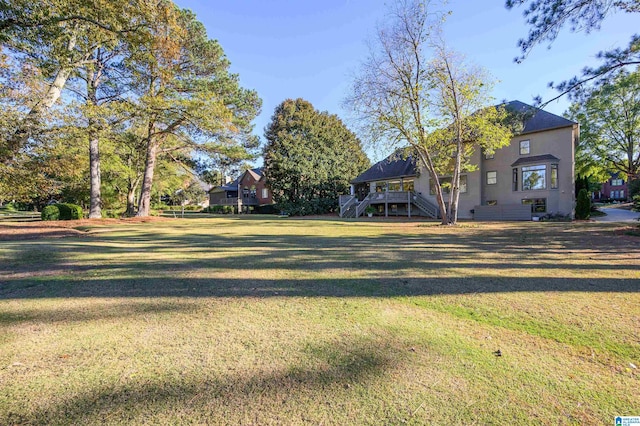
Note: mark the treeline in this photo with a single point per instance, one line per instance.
(110, 104)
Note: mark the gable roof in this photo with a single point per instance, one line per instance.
(233, 186)
(394, 166)
(255, 173)
(536, 119)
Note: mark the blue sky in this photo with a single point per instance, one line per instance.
(310, 49)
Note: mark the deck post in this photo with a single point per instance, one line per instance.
(409, 203)
(386, 203)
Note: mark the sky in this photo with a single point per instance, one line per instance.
(311, 49)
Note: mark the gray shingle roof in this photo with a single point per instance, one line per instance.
(394, 166)
(233, 186)
(535, 159)
(535, 119)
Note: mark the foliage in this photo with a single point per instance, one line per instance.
(309, 159)
(218, 209)
(50, 212)
(547, 17)
(50, 43)
(634, 187)
(267, 209)
(582, 182)
(413, 90)
(186, 97)
(191, 193)
(69, 211)
(138, 82)
(370, 210)
(636, 203)
(583, 205)
(609, 117)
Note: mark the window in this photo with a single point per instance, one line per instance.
(554, 176)
(514, 180)
(253, 191)
(622, 193)
(488, 156)
(534, 177)
(463, 184)
(407, 185)
(492, 178)
(492, 202)
(612, 194)
(265, 193)
(617, 182)
(381, 186)
(538, 205)
(394, 186)
(524, 147)
(245, 192)
(445, 183)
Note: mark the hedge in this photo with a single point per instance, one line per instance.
(583, 205)
(218, 209)
(50, 213)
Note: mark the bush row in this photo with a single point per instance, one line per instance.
(62, 211)
(217, 209)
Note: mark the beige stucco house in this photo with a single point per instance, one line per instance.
(531, 177)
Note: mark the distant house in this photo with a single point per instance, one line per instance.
(245, 193)
(531, 177)
(614, 189)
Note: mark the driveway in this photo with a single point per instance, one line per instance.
(615, 214)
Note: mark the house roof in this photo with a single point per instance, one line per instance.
(233, 186)
(537, 120)
(394, 166)
(535, 159)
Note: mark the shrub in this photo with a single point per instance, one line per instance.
(267, 209)
(69, 211)
(50, 212)
(219, 209)
(634, 188)
(636, 203)
(76, 211)
(583, 205)
(111, 214)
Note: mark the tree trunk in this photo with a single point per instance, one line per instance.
(149, 168)
(131, 196)
(426, 161)
(455, 185)
(95, 204)
(94, 72)
(25, 128)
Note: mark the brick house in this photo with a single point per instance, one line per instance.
(246, 193)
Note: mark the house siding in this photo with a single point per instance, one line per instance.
(558, 143)
(551, 141)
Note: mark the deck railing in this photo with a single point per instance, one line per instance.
(347, 204)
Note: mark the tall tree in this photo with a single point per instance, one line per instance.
(412, 90)
(610, 127)
(57, 39)
(188, 99)
(547, 17)
(310, 157)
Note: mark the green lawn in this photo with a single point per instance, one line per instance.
(285, 321)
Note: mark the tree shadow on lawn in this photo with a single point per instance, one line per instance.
(337, 287)
(155, 264)
(329, 372)
(97, 311)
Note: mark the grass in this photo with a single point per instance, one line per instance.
(284, 321)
